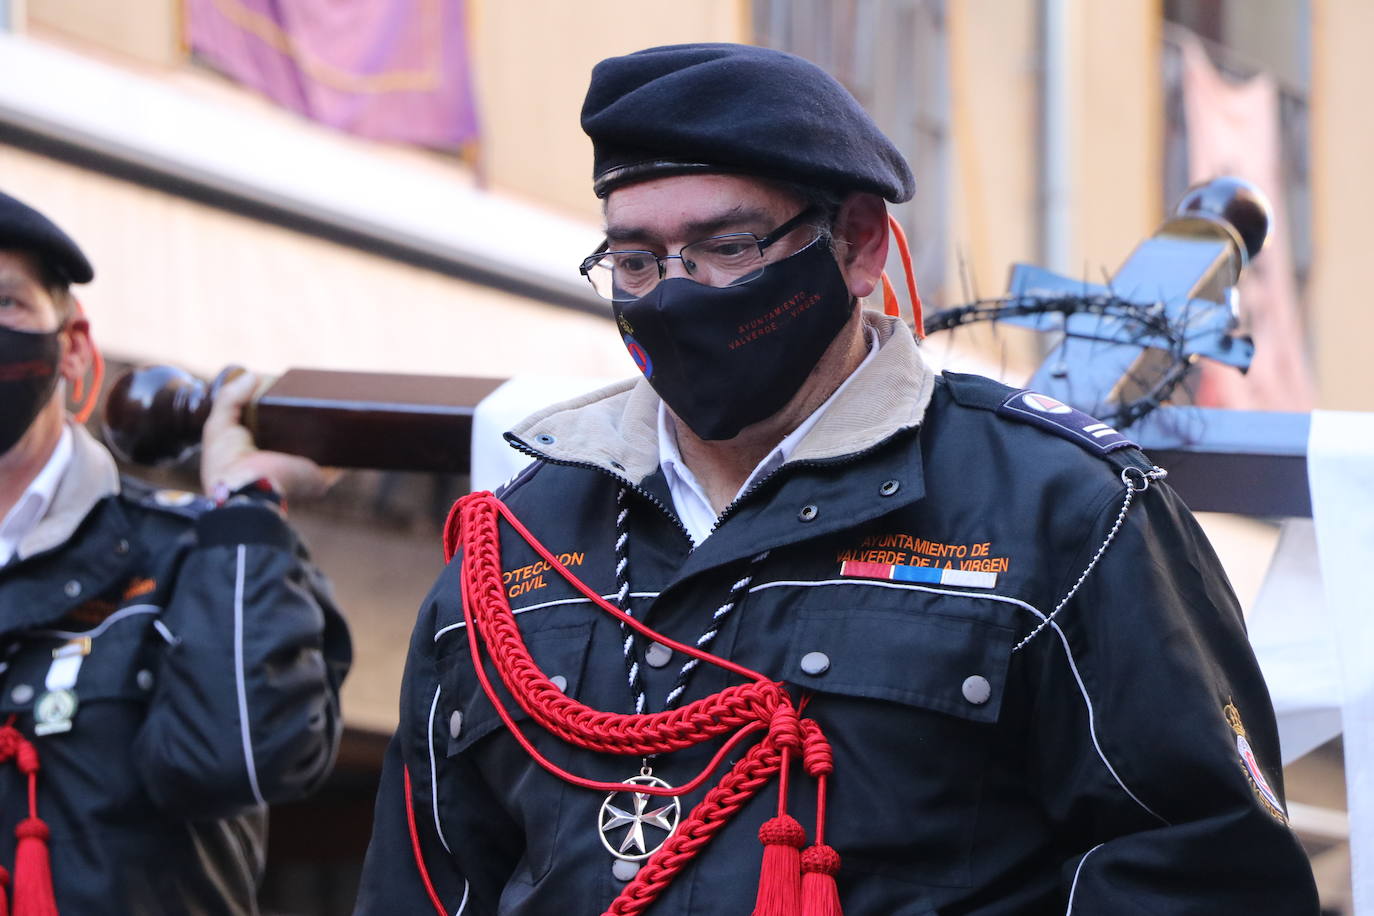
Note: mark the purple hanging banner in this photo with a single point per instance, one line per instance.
(392, 70)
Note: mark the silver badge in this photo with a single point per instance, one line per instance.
(649, 819)
(53, 712)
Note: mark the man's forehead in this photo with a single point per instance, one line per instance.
(670, 207)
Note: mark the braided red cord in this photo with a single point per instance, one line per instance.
(487, 613)
(712, 813)
(14, 746)
(819, 763)
(744, 709)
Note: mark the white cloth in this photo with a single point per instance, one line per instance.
(689, 499)
(33, 503)
(1340, 463)
(493, 460)
(1292, 631)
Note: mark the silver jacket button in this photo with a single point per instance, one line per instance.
(72, 588)
(977, 690)
(815, 663)
(658, 655)
(455, 724)
(22, 693)
(560, 682)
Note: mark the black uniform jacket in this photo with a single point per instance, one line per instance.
(1123, 760)
(209, 690)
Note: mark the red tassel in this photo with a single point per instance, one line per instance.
(33, 893)
(4, 892)
(780, 877)
(820, 897)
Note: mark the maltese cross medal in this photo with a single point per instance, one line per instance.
(647, 820)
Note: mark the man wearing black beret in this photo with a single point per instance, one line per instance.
(854, 635)
(171, 663)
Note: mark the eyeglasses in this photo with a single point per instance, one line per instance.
(721, 260)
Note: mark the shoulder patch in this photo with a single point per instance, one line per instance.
(1266, 796)
(175, 502)
(174, 499)
(1064, 421)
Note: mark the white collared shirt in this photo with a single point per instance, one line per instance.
(33, 503)
(689, 499)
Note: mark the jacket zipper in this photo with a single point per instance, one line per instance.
(521, 446)
(841, 461)
(851, 458)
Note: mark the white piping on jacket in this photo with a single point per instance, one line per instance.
(1074, 888)
(1068, 653)
(434, 773)
(434, 797)
(105, 624)
(239, 681)
(535, 607)
(165, 632)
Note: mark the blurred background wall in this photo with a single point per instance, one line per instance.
(405, 188)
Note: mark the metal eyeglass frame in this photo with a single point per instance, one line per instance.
(593, 259)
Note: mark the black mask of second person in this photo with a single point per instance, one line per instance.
(723, 358)
(28, 375)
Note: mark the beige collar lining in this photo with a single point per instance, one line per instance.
(91, 477)
(616, 427)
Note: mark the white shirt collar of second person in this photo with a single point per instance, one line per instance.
(33, 503)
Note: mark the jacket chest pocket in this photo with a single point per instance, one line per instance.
(111, 673)
(560, 652)
(474, 728)
(112, 662)
(909, 698)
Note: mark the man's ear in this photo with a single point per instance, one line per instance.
(861, 229)
(77, 351)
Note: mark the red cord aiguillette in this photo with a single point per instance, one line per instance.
(742, 710)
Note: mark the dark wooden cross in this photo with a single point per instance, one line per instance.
(1253, 463)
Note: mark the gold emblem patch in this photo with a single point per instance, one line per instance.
(1267, 797)
(174, 499)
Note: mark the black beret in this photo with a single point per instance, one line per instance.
(734, 108)
(21, 226)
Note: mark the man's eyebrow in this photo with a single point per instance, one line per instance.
(739, 218)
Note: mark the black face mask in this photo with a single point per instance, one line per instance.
(725, 358)
(28, 375)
